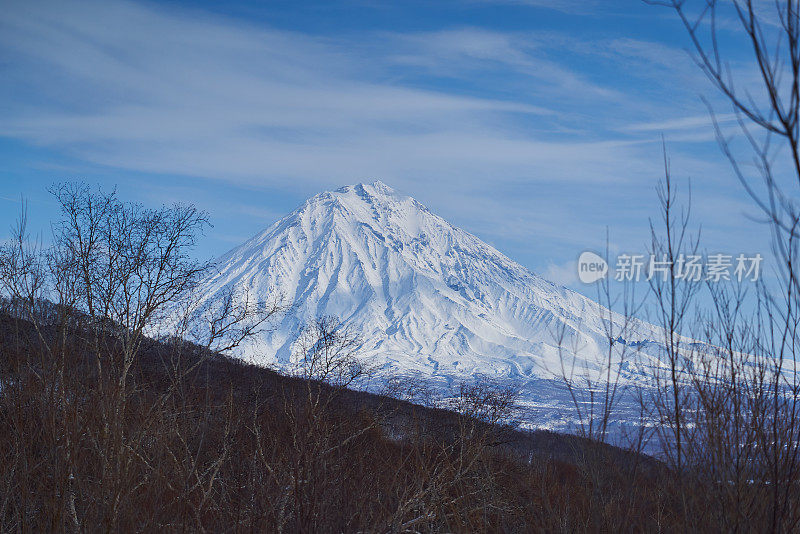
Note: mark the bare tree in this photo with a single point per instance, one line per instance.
(673, 290)
(327, 351)
(595, 383)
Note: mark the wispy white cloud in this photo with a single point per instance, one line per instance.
(465, 51)
(682, 123)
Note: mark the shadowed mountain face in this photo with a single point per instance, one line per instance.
(429, 299)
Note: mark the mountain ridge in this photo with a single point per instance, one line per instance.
(428, 298)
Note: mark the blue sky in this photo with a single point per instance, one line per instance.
(533, 124)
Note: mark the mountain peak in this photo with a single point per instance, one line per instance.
(375, 204)
(427, 297)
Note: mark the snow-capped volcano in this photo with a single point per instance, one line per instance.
(427, 297)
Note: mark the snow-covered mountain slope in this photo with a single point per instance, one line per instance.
(428, 298)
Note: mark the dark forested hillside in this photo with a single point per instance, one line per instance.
(210, 443)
